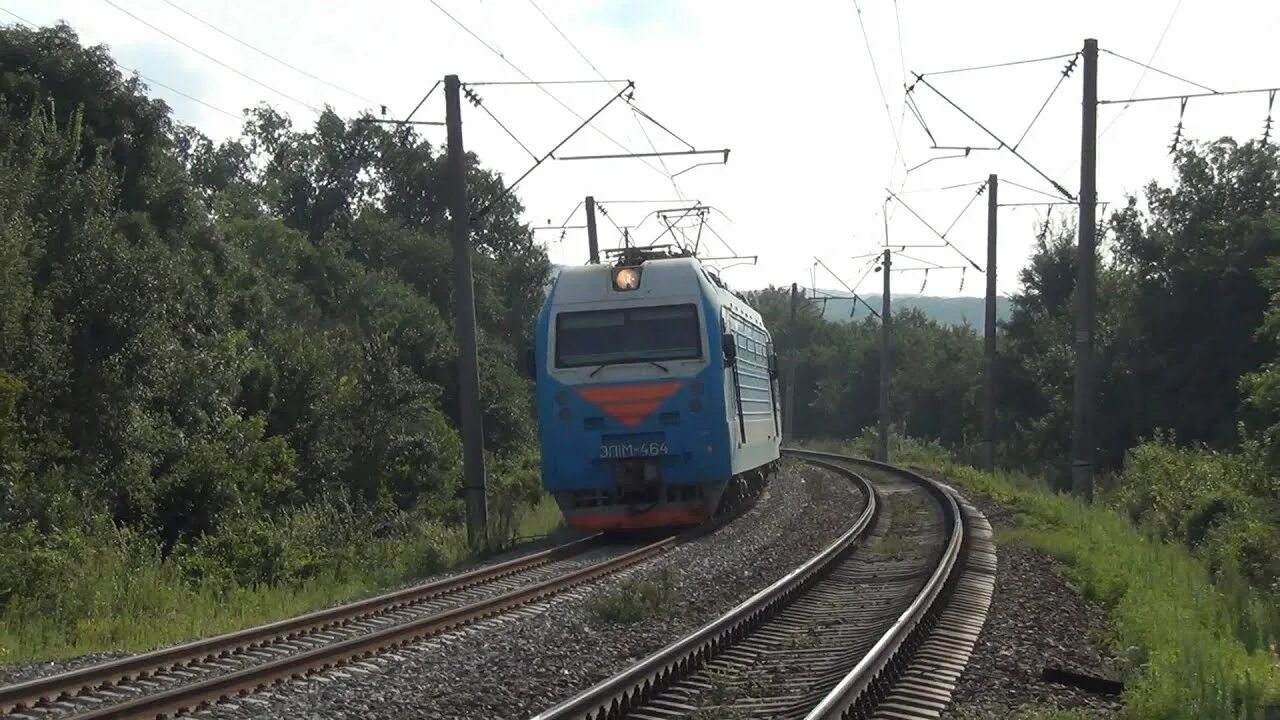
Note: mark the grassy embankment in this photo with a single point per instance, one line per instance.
(103, 588)
(1200, 642)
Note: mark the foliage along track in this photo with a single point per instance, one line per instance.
(137, 686)
(195, 675)
(881, 622)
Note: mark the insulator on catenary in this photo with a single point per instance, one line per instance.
(1177, 135)
(1266, 128)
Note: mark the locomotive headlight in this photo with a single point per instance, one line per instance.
(627, 278)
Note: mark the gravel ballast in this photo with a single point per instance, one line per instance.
(14, 674)
(1037, 619)
(521, 663)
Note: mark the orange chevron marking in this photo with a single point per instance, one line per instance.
(629, 404)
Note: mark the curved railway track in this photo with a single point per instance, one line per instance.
(844, 635)
(188, 676)
(879, 624)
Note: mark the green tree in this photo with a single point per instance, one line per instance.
(1196, 295)
(191, 331)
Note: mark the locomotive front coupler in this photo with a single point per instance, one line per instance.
(636, 476)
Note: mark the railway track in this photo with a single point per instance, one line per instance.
(879, 624)
(186, 677)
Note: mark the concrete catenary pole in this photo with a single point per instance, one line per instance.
(790, 399)
(989, 335)
(885, 366)
(465, 320)
(1083, 406)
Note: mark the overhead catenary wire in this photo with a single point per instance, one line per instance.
(907, 100)
(637, 202)
(920, 260)
(1216, 93)
(724, 242)
(902, 62)
(264, 53)
(213, 59)
(867, 267)
(919, 116)
(551, 153)
(954, 156)
(941, 236)
(423, 100)
(947, 187)
(1061, 78)
(479, 102)
(661, 160)
(1050, 203)
(993, 66)
(927, 268)
(637, 112)
(647, 116)
(902, 112)
(1058, 186)
(1146, 67)
(518, 83)
(153, 81)
(556, 27)
(541, 87)
(634, 110)
(856, 296)
(609, 217)
(1028, 188)
(876, 71)
(973, 198)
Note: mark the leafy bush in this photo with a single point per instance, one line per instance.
(1226, 506)
(515, 485)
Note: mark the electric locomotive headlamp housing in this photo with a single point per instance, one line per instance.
(626, 278)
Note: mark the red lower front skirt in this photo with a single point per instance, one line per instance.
(621, 519)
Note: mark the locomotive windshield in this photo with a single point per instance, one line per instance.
(634, 334)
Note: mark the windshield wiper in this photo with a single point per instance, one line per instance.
(624, 362)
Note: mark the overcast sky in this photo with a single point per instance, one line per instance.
(790, 89)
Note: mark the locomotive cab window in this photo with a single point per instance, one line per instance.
(624, 335)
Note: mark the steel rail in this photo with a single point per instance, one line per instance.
(613, 697)
(871, 678)
(97, 680)
(856, 692)
(189, 698)
(69, 684)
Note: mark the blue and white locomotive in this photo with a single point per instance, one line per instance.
(656, 393)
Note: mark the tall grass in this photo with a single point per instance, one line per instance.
(1198, 648)
(538, 519)
(106, 588)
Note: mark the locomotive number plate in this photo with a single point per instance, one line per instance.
(640, 449)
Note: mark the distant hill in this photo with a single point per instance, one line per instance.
(945, 310)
